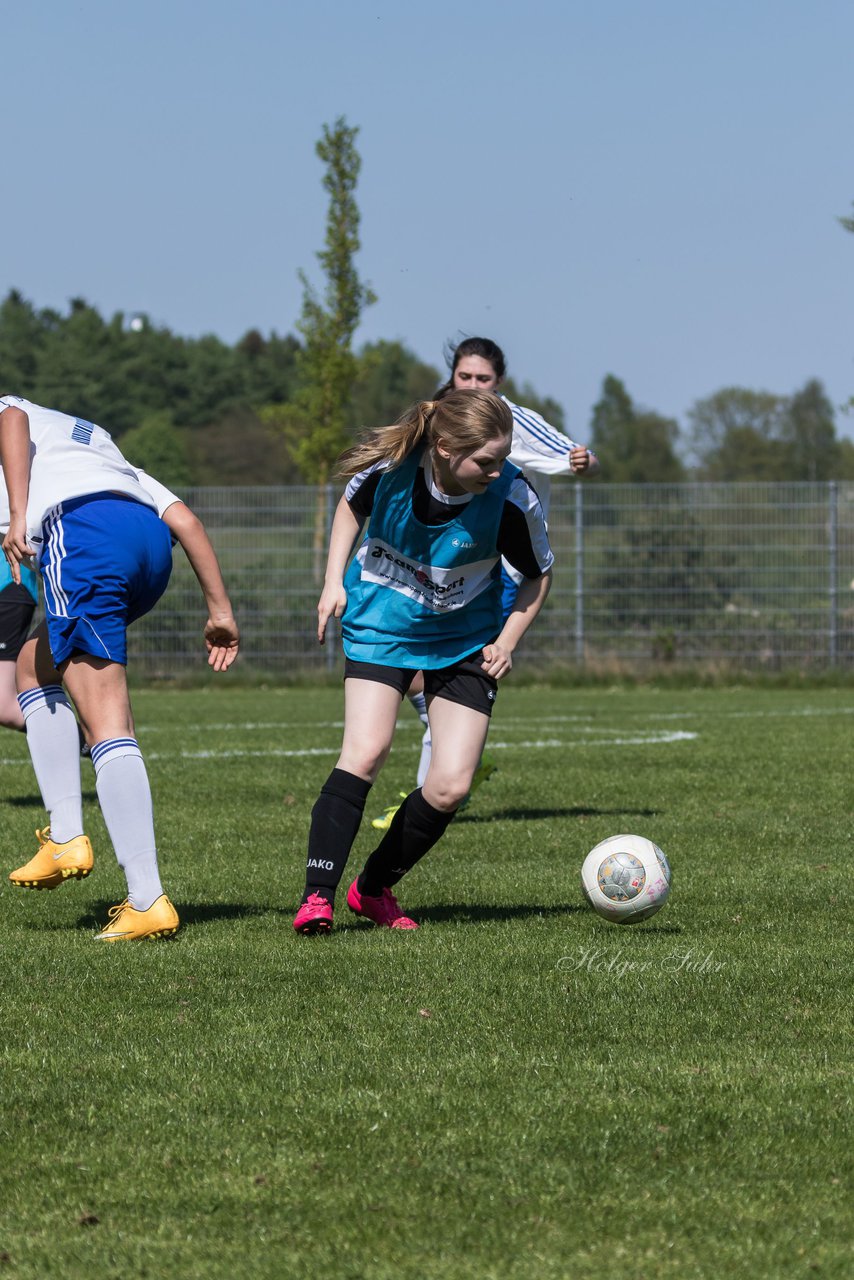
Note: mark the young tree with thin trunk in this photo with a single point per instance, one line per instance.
(315, 421)
(848, 224)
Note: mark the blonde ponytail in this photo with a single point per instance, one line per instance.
(465, 420)
(392, 443)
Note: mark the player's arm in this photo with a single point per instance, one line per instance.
(523, 540)
(346, 527)
(222, 638)
(540, 447)
(15, 462)
(571, 459)
(530, 598)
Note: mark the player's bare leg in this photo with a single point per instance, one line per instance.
(370, 716)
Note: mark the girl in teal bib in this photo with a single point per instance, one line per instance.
(422, 593)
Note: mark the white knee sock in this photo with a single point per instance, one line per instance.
(426, 756)
(419, 702)
(54, 744)
(124, 794)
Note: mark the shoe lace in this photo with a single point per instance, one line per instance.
(114, 912)
(390, 906)
(316, 900)
(43, 836)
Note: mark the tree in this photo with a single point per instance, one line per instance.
(389, 378)
(848, 224)
(239, 448)
(160, 449)
(145, 383)
(326, 366)
(267, 367)
(22, 335)
(736, 434)
(809, 432)
(315, 421)
(846, 460)
(635, 446)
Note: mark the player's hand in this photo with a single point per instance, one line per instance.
(222, 641)
(496, 661)
(579, 460)
(15, 546)
(332, 603)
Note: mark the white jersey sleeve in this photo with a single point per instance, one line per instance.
(162, 496)
(537, 446)
(540, 450)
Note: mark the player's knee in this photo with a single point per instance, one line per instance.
(445, 792)
(365, 759)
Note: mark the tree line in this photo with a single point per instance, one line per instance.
(198, 411)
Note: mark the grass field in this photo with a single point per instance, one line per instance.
(516, 1090)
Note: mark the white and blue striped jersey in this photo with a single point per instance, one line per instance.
(541, 451)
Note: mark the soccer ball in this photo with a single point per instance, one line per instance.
(626, 879)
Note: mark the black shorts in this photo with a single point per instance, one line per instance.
(16, 614)
(464, 682)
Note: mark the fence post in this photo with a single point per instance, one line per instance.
(833, 552)
(331, 633)
(579, 571)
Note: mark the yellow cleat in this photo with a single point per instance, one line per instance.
(383, 822)
(482, 773)
(55, 863)
(126, 924)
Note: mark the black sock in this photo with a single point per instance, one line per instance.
(414, 830)
(335, 820)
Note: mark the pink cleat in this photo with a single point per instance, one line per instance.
(382, 910)
(314, 916)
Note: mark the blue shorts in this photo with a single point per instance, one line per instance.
(106, 561)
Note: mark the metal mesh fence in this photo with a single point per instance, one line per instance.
(757, 575)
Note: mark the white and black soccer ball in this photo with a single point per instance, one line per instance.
(626, 879)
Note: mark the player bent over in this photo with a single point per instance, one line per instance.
(94, 524)
(423, 593)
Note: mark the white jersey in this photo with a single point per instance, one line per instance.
(540, 450)
(72, 458)
(162, 496)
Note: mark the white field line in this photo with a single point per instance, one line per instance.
(651, 738)
(656, 737)
(411, 724)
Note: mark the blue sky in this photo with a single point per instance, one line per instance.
(646, 189)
